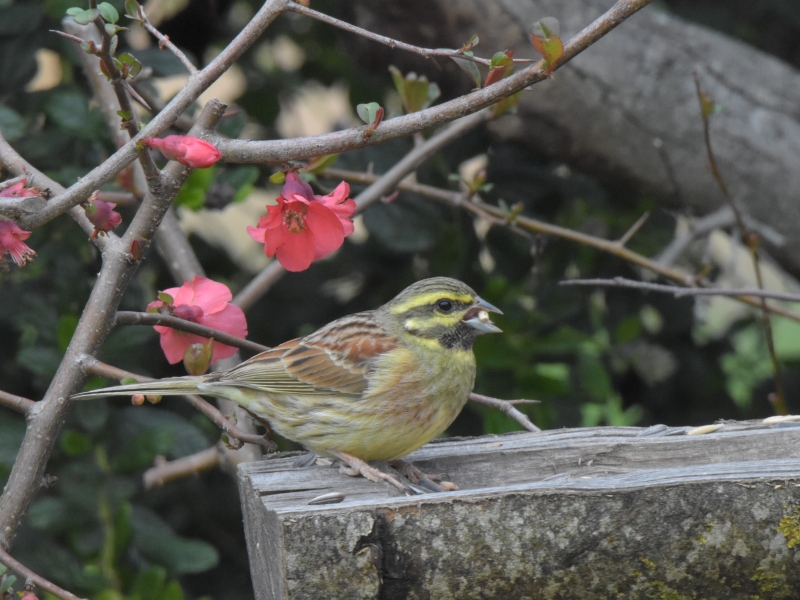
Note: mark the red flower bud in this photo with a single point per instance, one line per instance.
(187, 150)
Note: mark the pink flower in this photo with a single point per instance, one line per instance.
(18, 190)
(11, 237)
(205, 302)
(304, 227)
(102, 216)
(187, 150)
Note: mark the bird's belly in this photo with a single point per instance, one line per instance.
(385, 426)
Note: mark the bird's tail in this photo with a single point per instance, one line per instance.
(175, 386)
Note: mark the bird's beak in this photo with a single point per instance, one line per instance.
(477, 317)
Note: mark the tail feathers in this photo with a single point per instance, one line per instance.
(176, 386)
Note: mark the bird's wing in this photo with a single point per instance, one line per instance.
(337, 358)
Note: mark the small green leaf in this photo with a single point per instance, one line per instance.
(85, 17)
(470, 68)
(193, 193)
(74, 443)
(132, 9)
(369, 112)
(130, 66)
(277, 178)
(108, 12)
(7, 583)
(471, 43)
(124, 114)
(128, 380)
(166, 298)
(544, 37)
(64, 330)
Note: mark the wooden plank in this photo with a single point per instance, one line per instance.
(597, 512)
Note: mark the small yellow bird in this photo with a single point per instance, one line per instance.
(375, 385)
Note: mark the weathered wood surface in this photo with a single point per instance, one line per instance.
(605, 512)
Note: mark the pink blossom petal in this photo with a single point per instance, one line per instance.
(256, 233)
(181, 295)
(326, 229)
(295, 186)
(297, 250)
(210, 295)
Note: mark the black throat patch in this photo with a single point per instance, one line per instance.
(462, 336)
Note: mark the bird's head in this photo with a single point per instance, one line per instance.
(440, 311)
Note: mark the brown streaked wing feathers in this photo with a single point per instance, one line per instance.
(335, 358)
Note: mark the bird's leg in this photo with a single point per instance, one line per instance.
(355, 466)
(406, 469)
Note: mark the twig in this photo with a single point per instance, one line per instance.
(16, 403)
(163, 42)
(507, 408)
(126, 317)
(38, 580)
(484, 210)
(751, 241)
(94, 367)
(118, 198)
(166, 471)
(681, 292)
(387, 41)
(623, 241)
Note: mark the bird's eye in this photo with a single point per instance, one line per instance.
(444, 305)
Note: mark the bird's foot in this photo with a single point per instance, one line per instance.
(430, 482)
(354, 467)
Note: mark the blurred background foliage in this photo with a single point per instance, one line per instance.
(592, 357)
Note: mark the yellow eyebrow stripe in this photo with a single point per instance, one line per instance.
(428, 299)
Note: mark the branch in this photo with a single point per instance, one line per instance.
(392, 43)
(507, 408)
(142, 318)
(166, 471)
(16, 403)
(281, 151)
(681, 292)
(92, 366)
(38, 580)
(259, 285)
(14, 207)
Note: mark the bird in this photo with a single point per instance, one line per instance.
(371, 386)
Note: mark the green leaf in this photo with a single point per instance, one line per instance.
(193, 193)
(108, 12)
(132, 9)
(142, 449)
(470, 68)
(74, 443)
(83, 17)
(132, 64)
(49, 514)
(149, 584)
(628, 330)
(12, 125)
(368, 112)
(158, 543)
(166, 298)
(241, 178)
(7, 583)
(416, 92)
(277, 178)
(172, 591)
(66, 327)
